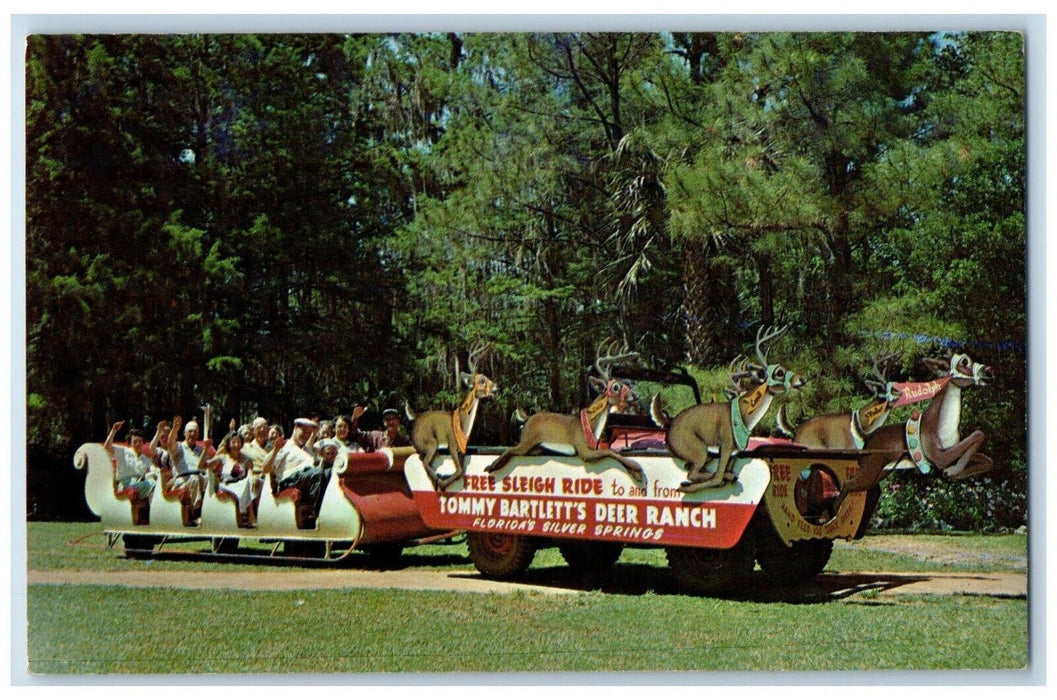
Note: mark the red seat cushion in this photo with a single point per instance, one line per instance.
(293, 494)
(226, 496)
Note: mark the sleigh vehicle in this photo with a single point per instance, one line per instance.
(776, 512)
(777, 509)
(366, 506)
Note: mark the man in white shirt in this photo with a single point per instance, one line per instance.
(256, 446)
(293, 465)
(186, 454)
(134, 467)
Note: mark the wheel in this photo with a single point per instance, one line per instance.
(139, 546)
(590, 557)
(500, 556)
(225, 545)
(796, 564)
(384, 556)
(712, 571)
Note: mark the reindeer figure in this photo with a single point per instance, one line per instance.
(930, 438)
(434, 430)
(845, 431)
(725, 425)
(580, 434)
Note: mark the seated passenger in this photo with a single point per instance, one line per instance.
(329, 456)
(185, 458)
(134, 467)
(275, 433)
(256, 446)
(294, 466)
(234, 472)
(372, 440)
(343, 435)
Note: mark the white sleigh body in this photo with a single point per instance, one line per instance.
(349, 515)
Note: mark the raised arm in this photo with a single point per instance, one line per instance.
(174, 434)
(109, 444)
(158, 433)
(208, 462)
(268, 466)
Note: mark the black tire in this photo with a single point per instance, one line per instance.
(801, 562)
(590, 557)
(712, 571)
(500, 556)
(139, 546)
(384, 556)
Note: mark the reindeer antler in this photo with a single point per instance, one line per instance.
(474, 355)
(879, 366)
(608, 355)
(766, 335)
(737, 372)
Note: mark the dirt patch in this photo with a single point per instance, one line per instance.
(405, 579)
(945, 552)
(1004, 584)
(830, 585)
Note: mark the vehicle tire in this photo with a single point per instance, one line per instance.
(712, 571)
(139, 546)
(590, 557)
(500, 556)
(225, 545)
(384, 556)
(799, 563)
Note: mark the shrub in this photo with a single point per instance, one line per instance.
(910, 500)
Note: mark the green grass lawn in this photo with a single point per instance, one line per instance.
(642, 622)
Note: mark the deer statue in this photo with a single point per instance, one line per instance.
(580, 434)
(434, 430)
(929, 438)
(845, 431)
(727, 425)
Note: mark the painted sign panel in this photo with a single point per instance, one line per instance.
(552, 496)
(792, 480)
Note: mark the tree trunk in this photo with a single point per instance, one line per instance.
(710, 306)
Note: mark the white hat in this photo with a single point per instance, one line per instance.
(328, 442)
(305, 423)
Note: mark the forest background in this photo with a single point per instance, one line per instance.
(282, 225)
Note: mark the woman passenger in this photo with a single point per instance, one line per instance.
(343, 435)
(234, 472)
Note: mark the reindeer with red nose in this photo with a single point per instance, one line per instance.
(725, 426)
(580, 434)
(929, 438)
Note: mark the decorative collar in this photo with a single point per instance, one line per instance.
(737, 422)
(914, 446)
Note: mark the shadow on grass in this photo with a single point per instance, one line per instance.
(623, 579)
(638, 579)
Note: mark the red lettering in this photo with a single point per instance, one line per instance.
(582, 486)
